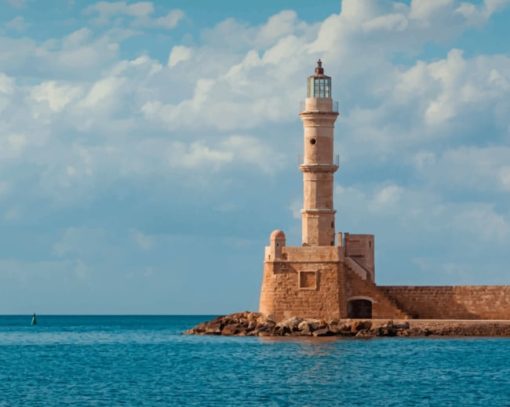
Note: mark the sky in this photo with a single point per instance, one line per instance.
(148, 149)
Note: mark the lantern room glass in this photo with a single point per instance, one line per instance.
(319, 87)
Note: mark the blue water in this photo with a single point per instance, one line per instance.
(145, 361)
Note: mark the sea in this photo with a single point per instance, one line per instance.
(147, 361)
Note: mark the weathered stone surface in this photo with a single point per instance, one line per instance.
(365, 333)
(290, 324)
(322, 332)
(256, 324)
(332, 275)
(232, 330)
(360, 325)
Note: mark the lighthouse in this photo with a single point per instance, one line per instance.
(318, 167)
(327, 279)
(322, 277)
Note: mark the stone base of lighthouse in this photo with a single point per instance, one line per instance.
(324, 282)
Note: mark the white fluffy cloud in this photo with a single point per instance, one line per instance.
(258, 83)
(94, 133)
(57, 96)
(178, 54)
(140, 14)
(170, 20)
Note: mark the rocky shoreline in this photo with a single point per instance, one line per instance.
(256, 324)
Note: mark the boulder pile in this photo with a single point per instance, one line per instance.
(256, 324)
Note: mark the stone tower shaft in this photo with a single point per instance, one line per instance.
(318, 116)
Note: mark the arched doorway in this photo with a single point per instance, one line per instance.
(359, 308)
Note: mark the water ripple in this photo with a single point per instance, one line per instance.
(105, 361)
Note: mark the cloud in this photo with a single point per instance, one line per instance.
(170, 20)
(280, 25)
(483, 222)
(178, 54)
(140, 14)
(105, 146)
(450, 99)
(57, 96)
(475, 169)
(235, 149)
(18, 24)
(106, 10)
(16, 3)
(426, 224)
(102, 92)
(425, 10)
(6, 84)
(12, 145)
(478, 14)
(389, 22)
(386, 196)
(258, 82)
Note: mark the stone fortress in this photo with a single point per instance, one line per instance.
(332, 275)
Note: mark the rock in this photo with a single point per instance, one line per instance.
(291, 323)
(402, 325)
(357, 326)
(304, 329)
(316, 324)
(344, 330)
(322, 332)
(281, 330)
(231, 330)
(263, 322)
(213, 329)
(365, 333)
(256, 324)
(414, 332)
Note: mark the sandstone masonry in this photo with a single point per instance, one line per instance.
(332, 275)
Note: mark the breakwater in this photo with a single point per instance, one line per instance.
(256, 324)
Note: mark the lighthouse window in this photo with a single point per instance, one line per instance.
(322, 87)
(313, 141)
(319, 87)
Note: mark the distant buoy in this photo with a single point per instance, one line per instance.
(34, 319)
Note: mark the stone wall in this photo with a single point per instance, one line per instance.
(451, 302)
(382, 306)
(308, 290)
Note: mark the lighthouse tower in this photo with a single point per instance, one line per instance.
(318, 167)
(320, 278)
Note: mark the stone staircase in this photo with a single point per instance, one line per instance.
(383, 306)
(357, 268)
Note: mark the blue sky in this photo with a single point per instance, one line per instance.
(147, 149)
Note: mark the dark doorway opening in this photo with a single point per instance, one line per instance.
(359, 309)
